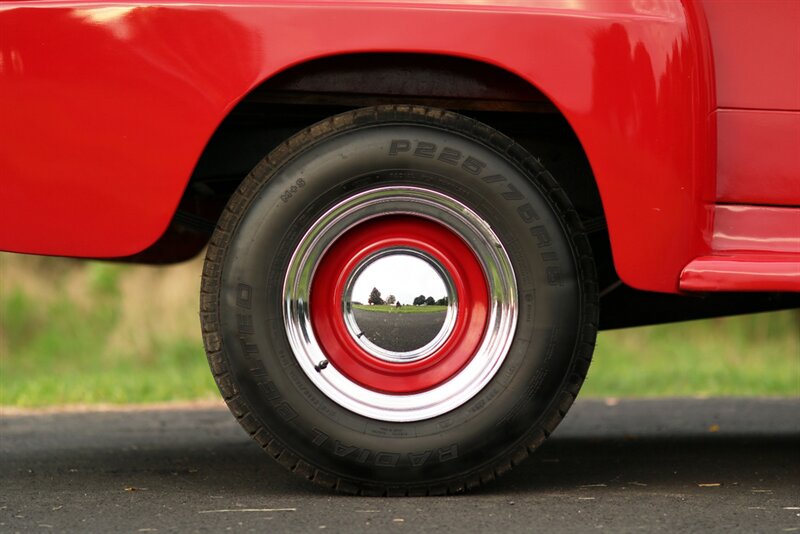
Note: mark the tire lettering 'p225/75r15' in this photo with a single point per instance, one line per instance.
(399, 300)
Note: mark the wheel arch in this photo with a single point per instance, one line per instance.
(305, 92)
(628, 78)
(634, 100)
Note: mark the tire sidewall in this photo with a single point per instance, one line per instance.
(303, 182)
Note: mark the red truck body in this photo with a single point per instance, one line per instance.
(687, 113)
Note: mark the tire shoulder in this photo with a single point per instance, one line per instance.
(364, 118)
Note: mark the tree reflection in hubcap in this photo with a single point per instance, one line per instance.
(400, 304)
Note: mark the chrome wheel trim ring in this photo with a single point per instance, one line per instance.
(501, 285)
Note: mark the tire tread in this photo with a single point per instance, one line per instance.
(240, 202)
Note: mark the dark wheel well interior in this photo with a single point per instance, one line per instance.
(310, 92)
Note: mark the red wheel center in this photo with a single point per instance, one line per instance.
(351, 357)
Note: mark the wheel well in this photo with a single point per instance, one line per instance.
(310, 92)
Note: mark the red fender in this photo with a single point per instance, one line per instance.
(106, 107)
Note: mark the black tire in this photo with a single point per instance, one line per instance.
(243, 316)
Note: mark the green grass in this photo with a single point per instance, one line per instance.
(177, 372)
(749, 355)
(65, 338)
(59, 352)
(402, 309)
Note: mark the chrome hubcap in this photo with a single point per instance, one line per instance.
(398, 323)
(388, 345)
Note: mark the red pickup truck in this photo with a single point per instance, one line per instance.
(416, 214)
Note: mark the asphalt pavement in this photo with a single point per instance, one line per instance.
(399, 332)
(680, 465)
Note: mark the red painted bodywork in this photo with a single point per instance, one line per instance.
(759, 157)
(755, 45)
(106, 107)
(756, 248)
(755, 229)
(742, 272)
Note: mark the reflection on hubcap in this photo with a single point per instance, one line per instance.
(386, 309)
(380, 361)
